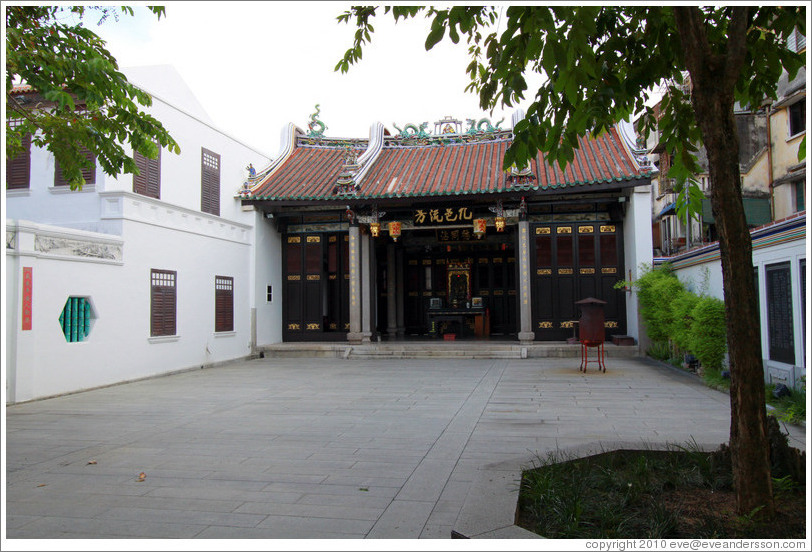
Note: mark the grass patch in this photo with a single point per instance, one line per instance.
(790, 408)
(679, 493)
(713, 379)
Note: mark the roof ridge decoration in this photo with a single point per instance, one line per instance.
(634, 144)
(476, 126)
(287, 145)
(448, 131)
(316, 127)
(355, 167)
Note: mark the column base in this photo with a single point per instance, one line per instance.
(356, 338)
(527, 337)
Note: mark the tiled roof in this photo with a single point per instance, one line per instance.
(21, 89)
(403, 171)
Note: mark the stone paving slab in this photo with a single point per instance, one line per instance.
(323, 448)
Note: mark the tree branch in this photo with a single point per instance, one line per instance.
(736, 45)
(691, 30)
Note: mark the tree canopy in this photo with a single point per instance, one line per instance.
(82, 102)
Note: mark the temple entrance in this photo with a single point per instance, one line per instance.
(452, 283)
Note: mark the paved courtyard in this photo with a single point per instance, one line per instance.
(322, 448)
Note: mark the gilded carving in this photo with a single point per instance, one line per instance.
(564, 230)
(544, 272)
(545, 325)
(294, 327)
(586, 229)
(542, 230)
(313, 239)
(294, 239)
(313, 277)
(314, 326)
(587, 271)
(568, 324)
(610, 324)
(608, 270)
(565, 271)
(294, 277)
(608, 228)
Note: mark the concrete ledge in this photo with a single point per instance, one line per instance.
(490, 509)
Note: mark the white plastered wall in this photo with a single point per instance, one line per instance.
(638, 249)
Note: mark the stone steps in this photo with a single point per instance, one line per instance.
(439, 350)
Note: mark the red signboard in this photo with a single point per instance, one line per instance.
(28, 287)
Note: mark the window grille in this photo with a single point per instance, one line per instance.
(75, 319)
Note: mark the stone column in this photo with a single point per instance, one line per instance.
(391, 292)
(526, 333)
(366, 290)
(399, 286)
(354, 335)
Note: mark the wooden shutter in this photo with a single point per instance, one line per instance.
(163, 318)
(148, 181)
(18, 170)
(88, 174)
(223, 304)
(210, 182)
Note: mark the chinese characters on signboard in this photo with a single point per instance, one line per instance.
(442, 216)
(455, 235)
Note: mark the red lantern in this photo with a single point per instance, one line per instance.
(394, 230)
(479, 227)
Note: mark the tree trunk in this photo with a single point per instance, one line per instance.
(712, 80)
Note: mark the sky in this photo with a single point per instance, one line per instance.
(256, 66)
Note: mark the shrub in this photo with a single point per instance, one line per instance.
(682, 307)
(708, 335)
(654, 287)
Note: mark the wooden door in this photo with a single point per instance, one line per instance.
(571, 262)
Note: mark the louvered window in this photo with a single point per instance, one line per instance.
(796, 41)
(163, 303)
(148, 181)
(89, 174)
(18, 170)
(223, 304)
(210, 182)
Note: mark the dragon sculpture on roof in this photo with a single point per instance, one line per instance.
(315, 126)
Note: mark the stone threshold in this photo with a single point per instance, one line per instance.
(491, 507)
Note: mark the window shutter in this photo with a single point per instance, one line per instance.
(210, 182)
(88, 174)
(223, 304)
(163, 299)
(148, 182)
(18, 170)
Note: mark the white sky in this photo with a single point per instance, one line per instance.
(256, 66)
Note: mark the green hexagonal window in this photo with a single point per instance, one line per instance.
(77, 319)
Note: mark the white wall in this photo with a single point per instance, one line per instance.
(701, 271)
(171, 233)
(637, 246)
(267, 253)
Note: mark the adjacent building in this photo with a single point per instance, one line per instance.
(134, 276)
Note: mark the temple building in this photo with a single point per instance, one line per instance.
(411, 233)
